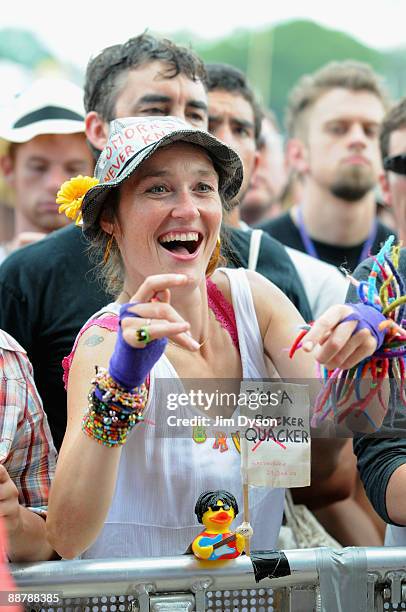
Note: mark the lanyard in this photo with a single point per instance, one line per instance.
(311, 249)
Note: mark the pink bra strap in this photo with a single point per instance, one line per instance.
(110, 322)
(223, 310)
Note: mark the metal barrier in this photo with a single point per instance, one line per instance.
(319, 579)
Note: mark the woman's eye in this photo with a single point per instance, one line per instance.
(158, 189)
(204, 187)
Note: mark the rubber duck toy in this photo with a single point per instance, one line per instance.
(216, 510)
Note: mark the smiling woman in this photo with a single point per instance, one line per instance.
(125, 486)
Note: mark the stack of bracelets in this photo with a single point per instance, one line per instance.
(389, 358)
(113, 411)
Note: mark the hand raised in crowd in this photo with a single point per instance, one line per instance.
(154, 311)
(334, 343)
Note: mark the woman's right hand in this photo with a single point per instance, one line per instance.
(145, 325)
(151, 304)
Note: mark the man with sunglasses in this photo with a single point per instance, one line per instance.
(382, 456)
(393, 151)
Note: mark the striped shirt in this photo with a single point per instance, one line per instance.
(26, 447)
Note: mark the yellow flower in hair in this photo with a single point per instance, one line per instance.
(71, 194)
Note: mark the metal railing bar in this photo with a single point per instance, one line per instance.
(81, 578)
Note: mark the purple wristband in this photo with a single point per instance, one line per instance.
(130, 366)
(369, 318)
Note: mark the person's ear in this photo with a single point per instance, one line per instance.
(97, 130)
(256, 162)
(7, 167)
(385, 188)
(297, 155)
(107, 225)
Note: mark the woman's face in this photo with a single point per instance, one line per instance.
(169, 214)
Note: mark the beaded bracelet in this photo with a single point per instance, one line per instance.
(113, 411)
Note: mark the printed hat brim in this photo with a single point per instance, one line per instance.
(225, 159)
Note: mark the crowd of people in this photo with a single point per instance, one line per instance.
(195, 244)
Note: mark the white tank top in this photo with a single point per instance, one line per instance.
(395, 536)
(160, 479)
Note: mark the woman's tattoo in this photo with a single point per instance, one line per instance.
(94, 340)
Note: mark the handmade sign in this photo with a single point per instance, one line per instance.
(275, 442)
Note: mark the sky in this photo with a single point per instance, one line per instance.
(76, 29)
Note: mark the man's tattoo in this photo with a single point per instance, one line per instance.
(94, 340)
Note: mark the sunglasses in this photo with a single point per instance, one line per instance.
(395, 164)
(216, 507)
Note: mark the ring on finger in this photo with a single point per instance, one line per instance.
(142, 335)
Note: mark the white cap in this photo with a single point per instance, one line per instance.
(47, 106)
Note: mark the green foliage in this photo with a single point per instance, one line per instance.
(22, 47)
(276, 57)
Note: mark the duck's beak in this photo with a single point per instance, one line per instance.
(221, 517)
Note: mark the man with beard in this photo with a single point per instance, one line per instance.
(333, 121)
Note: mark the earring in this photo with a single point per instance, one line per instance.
(214, 259)
(108, 249)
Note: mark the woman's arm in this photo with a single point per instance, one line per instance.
(86, 471)
(279, 323)
(331, 344)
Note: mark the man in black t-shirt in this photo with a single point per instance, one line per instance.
(48, 289)
(333, 122)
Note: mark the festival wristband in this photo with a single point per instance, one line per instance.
(369, 318)
(130, 366)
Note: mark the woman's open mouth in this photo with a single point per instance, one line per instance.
(182, 245)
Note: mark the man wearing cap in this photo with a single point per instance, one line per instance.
(47, 145)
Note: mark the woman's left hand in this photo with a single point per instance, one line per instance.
(334, 344)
